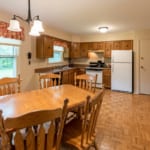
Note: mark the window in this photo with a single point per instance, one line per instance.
(58, 55)
(8, 58)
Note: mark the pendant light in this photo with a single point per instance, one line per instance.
(36, 28)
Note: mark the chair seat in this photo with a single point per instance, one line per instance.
(72, 134)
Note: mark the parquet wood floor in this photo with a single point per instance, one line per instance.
(124, 122)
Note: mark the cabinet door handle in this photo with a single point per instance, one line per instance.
(142, 67)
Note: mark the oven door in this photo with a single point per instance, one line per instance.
(99, 76)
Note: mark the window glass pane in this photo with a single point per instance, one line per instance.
(7, 50)
(57, 55)
(7, 67)
(8, 60)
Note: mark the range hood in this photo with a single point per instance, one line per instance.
(96, 51)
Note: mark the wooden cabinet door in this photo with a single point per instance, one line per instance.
(75, 50)
(84, 50)
(100, 45)
(65, 77)
(127, 45)
(96, 45)
(48, 47)
(117, 45)
(44, 46)
(107, 78)
(108, 48)
(71, 76)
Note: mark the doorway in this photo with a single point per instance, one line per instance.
(144, 66)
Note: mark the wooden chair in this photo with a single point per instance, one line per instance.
(80, 132)
(86, 81)
(33, 138)
(49, 79)
(9, 85)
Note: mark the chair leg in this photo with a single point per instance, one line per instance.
(95, 145)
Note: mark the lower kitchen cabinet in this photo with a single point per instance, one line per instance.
(107, 78)
(68, 75)
(64, 77)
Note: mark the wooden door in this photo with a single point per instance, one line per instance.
(145, 66)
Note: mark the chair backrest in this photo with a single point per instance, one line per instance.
(9, 85)
(35, 136)
(50, 79)
(91, 112)
(86, 81)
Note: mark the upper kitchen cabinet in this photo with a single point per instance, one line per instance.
(100, 45)
(75, 50)
(84, 49)
(117, 45)
(96, 45)
(127, 45)
(44, 46)
(108, 48)
(123, 45)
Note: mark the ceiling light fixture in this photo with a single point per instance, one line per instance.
(103, 29)
(36, 28)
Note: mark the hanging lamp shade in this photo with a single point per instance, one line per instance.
(14, 25)
(34, 31)
(37, 24)
(37, 27)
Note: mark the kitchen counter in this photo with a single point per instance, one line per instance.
(53, 69)
(65, 68)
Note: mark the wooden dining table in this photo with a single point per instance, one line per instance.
(42, 99)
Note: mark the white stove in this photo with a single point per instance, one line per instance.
(98, 71)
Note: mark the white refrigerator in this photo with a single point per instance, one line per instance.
(121, 71)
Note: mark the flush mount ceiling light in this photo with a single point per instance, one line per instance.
(36, 27)
(103, 29)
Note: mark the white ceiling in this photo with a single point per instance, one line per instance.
(85, 16)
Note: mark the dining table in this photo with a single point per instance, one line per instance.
(42, 99)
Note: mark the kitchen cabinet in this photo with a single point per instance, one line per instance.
(100, 45)
(75, 50)
(123, 45)
(44, 46)
(64, 77)
(117, 45)
(127, 45)
(107, 49)
(107, 78)
(84, 50)
(68, 76)
(96, 45)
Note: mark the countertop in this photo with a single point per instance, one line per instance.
(60, 69)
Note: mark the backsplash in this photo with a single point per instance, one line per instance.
(92, 57)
